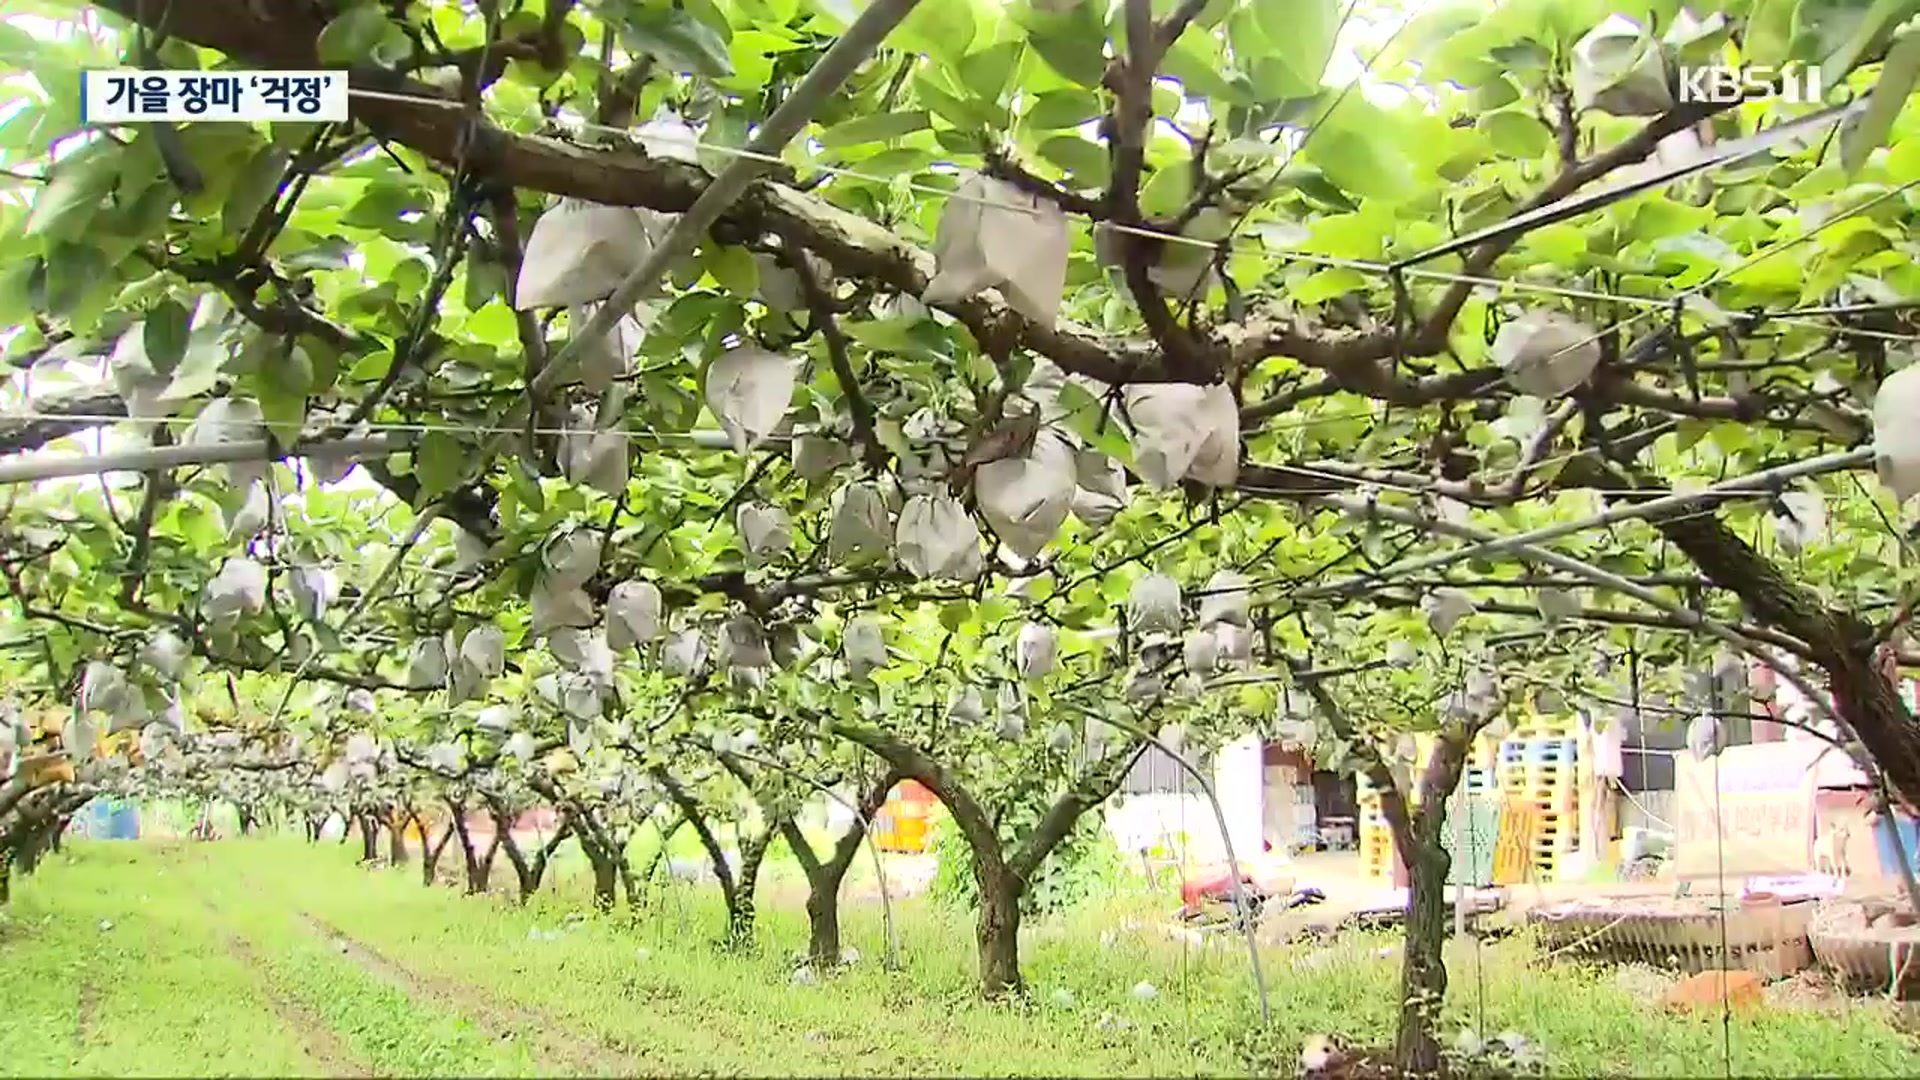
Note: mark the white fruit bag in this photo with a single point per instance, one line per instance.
(749, 390)
(592, 458)
(1026, 500)
(1184, 432)
(571, 558)
(1896, 432)
(1227, 599)
(1153, 605)
(815, 457)
(1546, 354)
(555, 605)
(1445, 608)
(314, 589)
(685, 654)
(1036, 651)
(743, 644)
(1102, 487)
(223, 422)
(1201, 652)
(993, 235)
(427, 664)
(240, 588)
(167, 654)
(579, 252)
(965, 707)
(861, 530)
(251, 516)
(608, 357)
(1216, 460)
(937, 539)
(633, 614)
(865, 647)
(669, 137)
(1804, 521)
(765, 532)
(1620, 70)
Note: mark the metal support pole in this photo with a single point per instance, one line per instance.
(1740, 487)
(33, 468)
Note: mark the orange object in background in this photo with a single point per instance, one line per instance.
(901, 824)
(1266, 873)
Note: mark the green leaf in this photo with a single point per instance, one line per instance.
(1326, 285)
(1072, 45)
(350, 39)
(1516, 134)
(986, 71)
(1062, 109)
(1301, 33)
(62, 209)
(733, 267)
(1898, 76)
(943, 30)
(1086, 161)
(678, 39)
(440, 463)
(954, 615)
(283, 382)
(875, 128)
(199, 369)
(1090, 418)
(253, 189)
(1356, 149)
(1167, 192)
(165, 335)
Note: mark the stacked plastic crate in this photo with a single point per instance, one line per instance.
(1539, 768)
(1376, 836)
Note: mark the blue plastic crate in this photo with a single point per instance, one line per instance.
(1539, 752)
(1909, 838)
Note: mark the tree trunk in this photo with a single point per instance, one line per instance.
(6, 875)
(824, 878)
(369, 838)
(999, 931)
(606, 876)
(823, 920)
(430, 862)
(1423, 976)
(397, 843)
(740, 898)
(480, 870)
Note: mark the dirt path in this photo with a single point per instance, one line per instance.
(316, 1037)
(570, 1052)
(84, 1008)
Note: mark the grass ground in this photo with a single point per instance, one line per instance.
(273, 957)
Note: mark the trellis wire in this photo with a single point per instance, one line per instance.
(833, 68)
(1748, 486)
(1332, 262)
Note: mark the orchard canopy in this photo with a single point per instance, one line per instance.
(1077, 373)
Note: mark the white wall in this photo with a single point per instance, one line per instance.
(1144, 821)
(1240, 780)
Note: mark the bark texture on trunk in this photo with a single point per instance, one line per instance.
(397, 842)
(430, 861)
(998, 932)
(606, 877)
(1841, 643)
(825, 876)
(1003, 878)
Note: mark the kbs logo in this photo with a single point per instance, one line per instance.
(1719, 84)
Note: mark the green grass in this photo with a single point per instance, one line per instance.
(443, 984)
